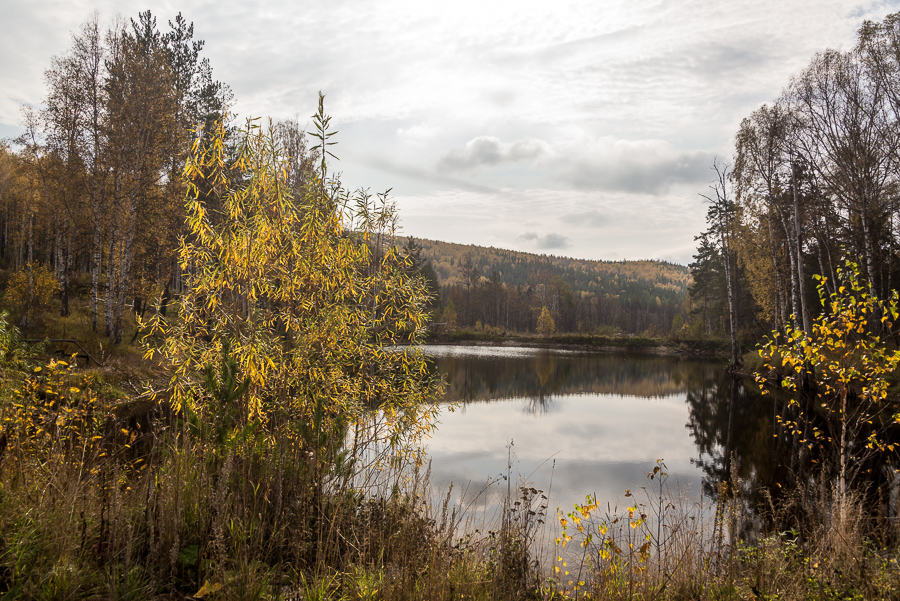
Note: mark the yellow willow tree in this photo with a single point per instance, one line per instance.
(299, 286)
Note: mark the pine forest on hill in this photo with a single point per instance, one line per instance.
(495, 288)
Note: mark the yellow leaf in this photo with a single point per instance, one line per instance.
(208, 588)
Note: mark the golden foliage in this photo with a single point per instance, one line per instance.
(847, 356)
(22, 297)
(307, 308)
(448, 317)
(56, 414)
(545, 325)
(49, 412)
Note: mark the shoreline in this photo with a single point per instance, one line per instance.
(585, 343)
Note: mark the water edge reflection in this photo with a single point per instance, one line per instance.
(579, 422)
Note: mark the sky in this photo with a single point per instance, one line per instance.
(582, 129)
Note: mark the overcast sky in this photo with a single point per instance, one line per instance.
(584, 129)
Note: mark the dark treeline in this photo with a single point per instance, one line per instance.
(801, 254)
(93, 190)
(814, 182)
(509, 290)
(92, 195)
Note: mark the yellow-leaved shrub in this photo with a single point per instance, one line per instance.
(303, 288)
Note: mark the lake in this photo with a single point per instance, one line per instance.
(574, 423)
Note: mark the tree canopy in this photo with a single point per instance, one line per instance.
(300, 285)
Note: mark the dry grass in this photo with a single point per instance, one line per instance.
(97, 503)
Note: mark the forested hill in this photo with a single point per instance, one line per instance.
(516, 267)
(509, 289)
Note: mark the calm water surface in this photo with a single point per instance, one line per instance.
(575, 423)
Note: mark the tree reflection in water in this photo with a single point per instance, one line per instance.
(732, 426)
(745, 454)
(496, 373)
(603, 419)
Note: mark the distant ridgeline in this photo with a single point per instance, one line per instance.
(496, 288)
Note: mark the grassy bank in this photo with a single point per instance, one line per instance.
(105, 495)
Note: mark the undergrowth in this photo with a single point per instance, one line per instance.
(109, 496)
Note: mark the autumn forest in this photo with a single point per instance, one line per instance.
(213, 382)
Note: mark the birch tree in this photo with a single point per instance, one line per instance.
(849, 140)
(720, 216)
(767, 175)
(141, 131)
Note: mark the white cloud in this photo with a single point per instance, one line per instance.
(645, 166)
(586, 224)
(590, 163)
(418, 134)
(551, 241)
(516, 115)
(485, 151)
